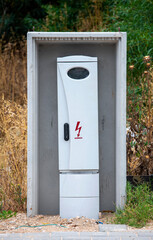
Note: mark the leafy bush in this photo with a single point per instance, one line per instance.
(73, 16)
(136, 18)
(17, 17)
(132, 16)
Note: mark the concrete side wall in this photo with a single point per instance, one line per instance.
(48, 193)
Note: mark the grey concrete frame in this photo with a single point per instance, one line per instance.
(33, 38)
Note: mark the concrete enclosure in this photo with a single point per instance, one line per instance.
(43, 174)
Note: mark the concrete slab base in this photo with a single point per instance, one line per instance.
(124, 235)
(112, 227)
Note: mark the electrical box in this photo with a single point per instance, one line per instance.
(78, 138)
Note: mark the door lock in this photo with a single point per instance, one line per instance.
(66, 131)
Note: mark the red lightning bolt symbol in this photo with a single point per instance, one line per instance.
(78, 129)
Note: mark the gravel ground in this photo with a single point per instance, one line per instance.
(78, 224)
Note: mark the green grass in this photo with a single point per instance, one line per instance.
(7, 214)
(139, 206)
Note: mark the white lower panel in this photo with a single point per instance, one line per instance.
(73, 207)
(79, 185)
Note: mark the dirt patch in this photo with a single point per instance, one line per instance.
(18, 224)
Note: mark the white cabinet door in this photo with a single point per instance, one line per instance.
(78, 107)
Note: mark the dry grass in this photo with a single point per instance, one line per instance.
(93, 20)
(13, 127)
(140, 125)
(13, 71)
(13, 151)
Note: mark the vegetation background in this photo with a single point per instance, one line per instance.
(16, 18)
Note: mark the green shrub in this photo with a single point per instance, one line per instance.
(136, 18)
(139, 206)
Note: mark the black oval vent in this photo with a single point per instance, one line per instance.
(78, 73)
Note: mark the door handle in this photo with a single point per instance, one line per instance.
(66, 131)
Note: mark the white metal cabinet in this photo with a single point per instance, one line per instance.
(78, 136)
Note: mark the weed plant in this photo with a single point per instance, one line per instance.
(139, 206)
(6, 214)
